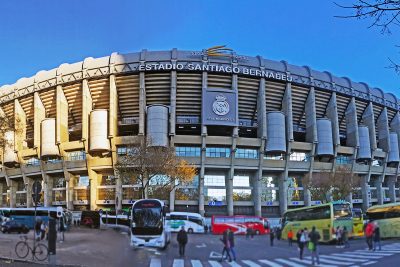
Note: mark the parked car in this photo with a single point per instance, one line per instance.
(13, 226)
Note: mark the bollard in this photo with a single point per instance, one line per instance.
(52, 236)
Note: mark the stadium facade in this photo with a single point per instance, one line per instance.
(253, 127)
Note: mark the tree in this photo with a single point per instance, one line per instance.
(326, 186)
(156, 169)
(383, 14)
(8, 124)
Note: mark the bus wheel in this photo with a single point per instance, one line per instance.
(190, 231)
(257, 232)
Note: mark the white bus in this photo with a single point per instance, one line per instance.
(148, 224)
(193, 222)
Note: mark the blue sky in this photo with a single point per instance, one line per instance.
(42, 34)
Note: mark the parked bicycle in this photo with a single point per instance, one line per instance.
(39, 250)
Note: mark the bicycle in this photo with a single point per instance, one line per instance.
(39, 251)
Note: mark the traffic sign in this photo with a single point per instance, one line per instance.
(215, 203)
(59, 212)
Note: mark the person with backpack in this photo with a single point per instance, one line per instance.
(313, 245)
(231, 238)
(377, 237)
(272, 237)
(345, 237)
(182, 239)
(301, 241)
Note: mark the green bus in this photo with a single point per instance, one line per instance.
(325, 217)
(387, 216)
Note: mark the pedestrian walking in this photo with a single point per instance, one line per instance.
(42, 230)
(38, 225)
(226, 249)
(205, 229)
(313, 245)
(231, 238)
(338, 233)
(62, 230)
(301, 241)
(377, 237)
(272, 237)
(248, 232)
(290, 237)
(345, 237)
(182, 239)
(369, 232)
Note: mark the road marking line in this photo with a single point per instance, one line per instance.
(270, 263)
(342, 258)
(293, 264)
(234, 264)
(251, 264)
(350, 254)
(178, 263)
(389, 251)
(196, 263)
(310, 262)
(214, 264)
(155, 262)
(331, 262)
(370, 262)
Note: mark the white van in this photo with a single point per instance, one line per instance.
(193, 222)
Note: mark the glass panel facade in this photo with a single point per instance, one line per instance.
(299, 156)
(75, 155)
(269, 189)
(59, 195)
(108, 180)
(124, 150)
(274, 156)
(82, 181)
(246, 153)
(214, 180)
(343, 159)
(187, 194)
(21, 199)
(32, 162)
(377, 162)
(59, 182)
(158, 192)
(241, 181)
(295, 189)
(242, 195)
(215, 194)
(106, 193)
(131, 193)
(218, 152)
(186, 151)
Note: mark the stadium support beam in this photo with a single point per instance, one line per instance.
(172, 106)
(261, 111)
(391, 182)
(87, 106)
(20, 123)
(142, 95)
(13, 193)
(62, 135)
(369, 120)
(39, 114)
(283, 190)
(287, 109)
(379, 189)
(352, 124)
(311, 118)
(364, 190)
(332, 114)
(383, 131)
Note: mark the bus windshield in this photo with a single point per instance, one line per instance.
(147, 221)
(341, 211)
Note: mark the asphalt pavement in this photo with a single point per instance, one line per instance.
(109, 248)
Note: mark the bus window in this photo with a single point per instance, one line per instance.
(239, 220)
(219, 220)
(341, 211)
(229, 220)
(196, 220)
(178, 217)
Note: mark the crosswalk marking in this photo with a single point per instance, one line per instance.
(234, 264)
(370, 262)
(250, 263)
(374, 253)
(214, 264)
(178, 263)
(342, 258)
(354, 255)
(293, 264)
(310, 262)
(196, 263)
(270, 263)
(387, 251)
(321, 259)
(155, 262)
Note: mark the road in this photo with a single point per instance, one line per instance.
(108, 248)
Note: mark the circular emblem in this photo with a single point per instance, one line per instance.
(220, 106)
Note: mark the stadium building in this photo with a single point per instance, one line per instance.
(253, 127)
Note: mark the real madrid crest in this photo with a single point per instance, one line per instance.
(220, 106)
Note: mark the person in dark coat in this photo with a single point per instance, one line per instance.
(227, 246)
(231, 238)
(314, 238)
(377, 237)
(182, 239)
(272, 237)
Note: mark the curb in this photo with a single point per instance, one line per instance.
(37, 262)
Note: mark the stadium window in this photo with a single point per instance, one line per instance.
(218, 152)
(246, 153)
(32, 161)
(343, 159)
(185, 151)
(274, 156)
(299, 156)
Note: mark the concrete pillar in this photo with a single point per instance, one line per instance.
(352, 124)
(62, 134)
(256, 192)
(94, 181)
(383, 131)
(118, 193)
(1, 194)
(379, 190)
(287, 109)
(283, 191)
(261, 111)
(311, 117)
(13, 193)
(29, 200)
(39, 113)
(331, 113)
(364, 191)
(70, 183)
(172, 200)
(172, 106)
(113, 110)
(48, 191)
(229, 191)
(87, 106)
(369, 120)
(142, 95)
(391, 182)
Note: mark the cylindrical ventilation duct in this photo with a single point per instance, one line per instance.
(49, 147)
(9, 154)
(276, 133)
(394, 148)
(364, 150)
(325, 140)
(98, 130)
(157, 125)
